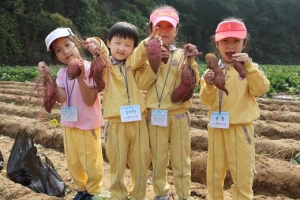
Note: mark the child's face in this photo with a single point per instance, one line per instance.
(120, 47)
(166, 31)
(65, 50)
(229, 46)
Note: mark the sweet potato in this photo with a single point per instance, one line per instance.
(153, 53)
(100, 62)
(185, 90)
(185, 86)
(154, 50)
(96, 72)
(73, 69)
(219, 78)
(46, 87)
(240, 68)
(190, 92)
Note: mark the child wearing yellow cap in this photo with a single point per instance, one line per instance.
(230, 131)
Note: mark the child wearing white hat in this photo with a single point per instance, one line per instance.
(81, 115)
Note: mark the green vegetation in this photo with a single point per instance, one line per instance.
(22, 73)
(283, 78)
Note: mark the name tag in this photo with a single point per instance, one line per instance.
(68, 114)
(159, 117)
(130, 113)
(219, 120)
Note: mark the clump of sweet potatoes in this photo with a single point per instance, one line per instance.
(154, 50)
(240, 68)
(99, 63)
(185, 90)
(73, 69)
(219, 78)
(96, 72)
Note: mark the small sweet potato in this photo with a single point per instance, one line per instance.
(184, 87)
(46, 87)
(73, 69)
(96, 72)
(153, 53)
(219, 78)
(185, 90)
(240, 68)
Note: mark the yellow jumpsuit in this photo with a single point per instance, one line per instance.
(233, 148)
(173, 139)
(127, 142)
(82, 139)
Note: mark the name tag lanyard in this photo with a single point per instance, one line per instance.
(126, 80)
(221, 93)
(160, 97)
(67, 89)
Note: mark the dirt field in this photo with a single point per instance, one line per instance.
(277, 140)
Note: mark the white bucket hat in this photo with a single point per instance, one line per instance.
(57, 33)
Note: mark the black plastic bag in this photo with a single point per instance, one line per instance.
(15, 171)
(1, 161)
(45, 178)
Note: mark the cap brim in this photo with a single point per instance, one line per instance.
(164, 18)
(235, 34)
(57, 33)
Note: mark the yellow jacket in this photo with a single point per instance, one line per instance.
(160, 86)
(120, 90)
(241, 101)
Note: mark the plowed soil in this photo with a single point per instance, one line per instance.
(277, 141)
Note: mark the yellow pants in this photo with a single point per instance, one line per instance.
(84, 158)
(175, 139)
(128, 143)
(231, 149)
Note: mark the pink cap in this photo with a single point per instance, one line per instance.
(234, 29)
(164, 14)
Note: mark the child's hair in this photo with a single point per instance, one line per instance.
(150, 24)
(124, 30)
(213, 41)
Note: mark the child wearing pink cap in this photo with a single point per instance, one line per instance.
(169, 122)
(231, 143)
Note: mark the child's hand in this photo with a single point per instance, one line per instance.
(191, 50)
(209, 76)
(152, 36)
(42, 66)
(241, 57)
(92, 45)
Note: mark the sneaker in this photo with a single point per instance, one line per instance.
(89, 197)
(162, 198)
(81, 195)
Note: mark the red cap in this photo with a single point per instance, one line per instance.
(227, 29)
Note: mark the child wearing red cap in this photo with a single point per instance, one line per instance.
(169, 121)
(231, 143)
